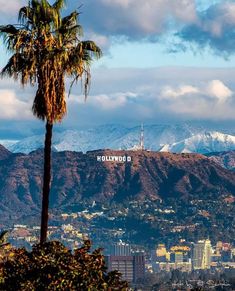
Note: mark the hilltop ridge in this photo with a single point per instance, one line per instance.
(77, 176)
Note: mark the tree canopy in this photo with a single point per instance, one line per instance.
(51, 266)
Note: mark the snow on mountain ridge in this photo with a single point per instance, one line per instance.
(176, 138)
(203, 143)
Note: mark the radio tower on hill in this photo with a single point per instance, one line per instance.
(142, 137)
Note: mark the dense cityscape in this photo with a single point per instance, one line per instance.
(182, 264)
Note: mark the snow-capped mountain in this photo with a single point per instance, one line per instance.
(203, 143)
(170, 138)
(8, 142)
(108, 136)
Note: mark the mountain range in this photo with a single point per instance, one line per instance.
(170, 138)
(204, 143)
(78, 176)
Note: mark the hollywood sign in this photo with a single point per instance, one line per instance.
(120, 159)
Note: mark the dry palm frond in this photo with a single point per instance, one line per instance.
(46, 48)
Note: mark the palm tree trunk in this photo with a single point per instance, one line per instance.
(46, 182)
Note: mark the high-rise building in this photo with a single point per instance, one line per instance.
(177, 257)
(123, 264)
(120, 249)
(226, 256)
(161, 250)
(138, 266)
(202, 254)
(161, 253)
(132, 267)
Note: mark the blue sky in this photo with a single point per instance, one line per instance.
(164, 61)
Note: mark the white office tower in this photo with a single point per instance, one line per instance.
(202, 254)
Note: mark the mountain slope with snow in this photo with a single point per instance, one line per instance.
(182, 138)
(203, 143)
(108, 137)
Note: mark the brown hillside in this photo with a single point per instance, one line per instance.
(77, 176)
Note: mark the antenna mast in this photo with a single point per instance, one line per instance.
(142, 137)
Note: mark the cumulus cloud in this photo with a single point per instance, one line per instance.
(209, 100)
(13, 108)
(169, 92)
(219, 90)
(157, 95)
(106, 102)
(136, 19)
(215, 89)
(105, 21)
(215, 28)
(132, 96)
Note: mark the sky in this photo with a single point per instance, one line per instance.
(164, 61)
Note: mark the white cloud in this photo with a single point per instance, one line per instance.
(13, 108)
(219, 90)
(156, 95)
(215, 28)
(113, 101)
(138, 19)
(122, 3)
(109, 102)
(105, 101)
(169, 92)
(215, 89)
(221, 17)
(210, 99)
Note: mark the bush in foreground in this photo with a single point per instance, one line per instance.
(51, 266)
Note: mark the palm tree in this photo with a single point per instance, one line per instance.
(46, 48)
(3, 239)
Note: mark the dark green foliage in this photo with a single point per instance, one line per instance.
(51, 266)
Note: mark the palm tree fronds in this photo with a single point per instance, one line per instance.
(25, 15)
(44, 55)
(59, 4)
(3, 237)
(8, 29)
(46, 48)
(92, 47)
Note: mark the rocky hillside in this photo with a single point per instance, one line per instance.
(79, 176)
(4, 153)
(224, 159)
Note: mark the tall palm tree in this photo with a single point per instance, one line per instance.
(46, 48)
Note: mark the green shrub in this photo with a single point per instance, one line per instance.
(51, 266)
